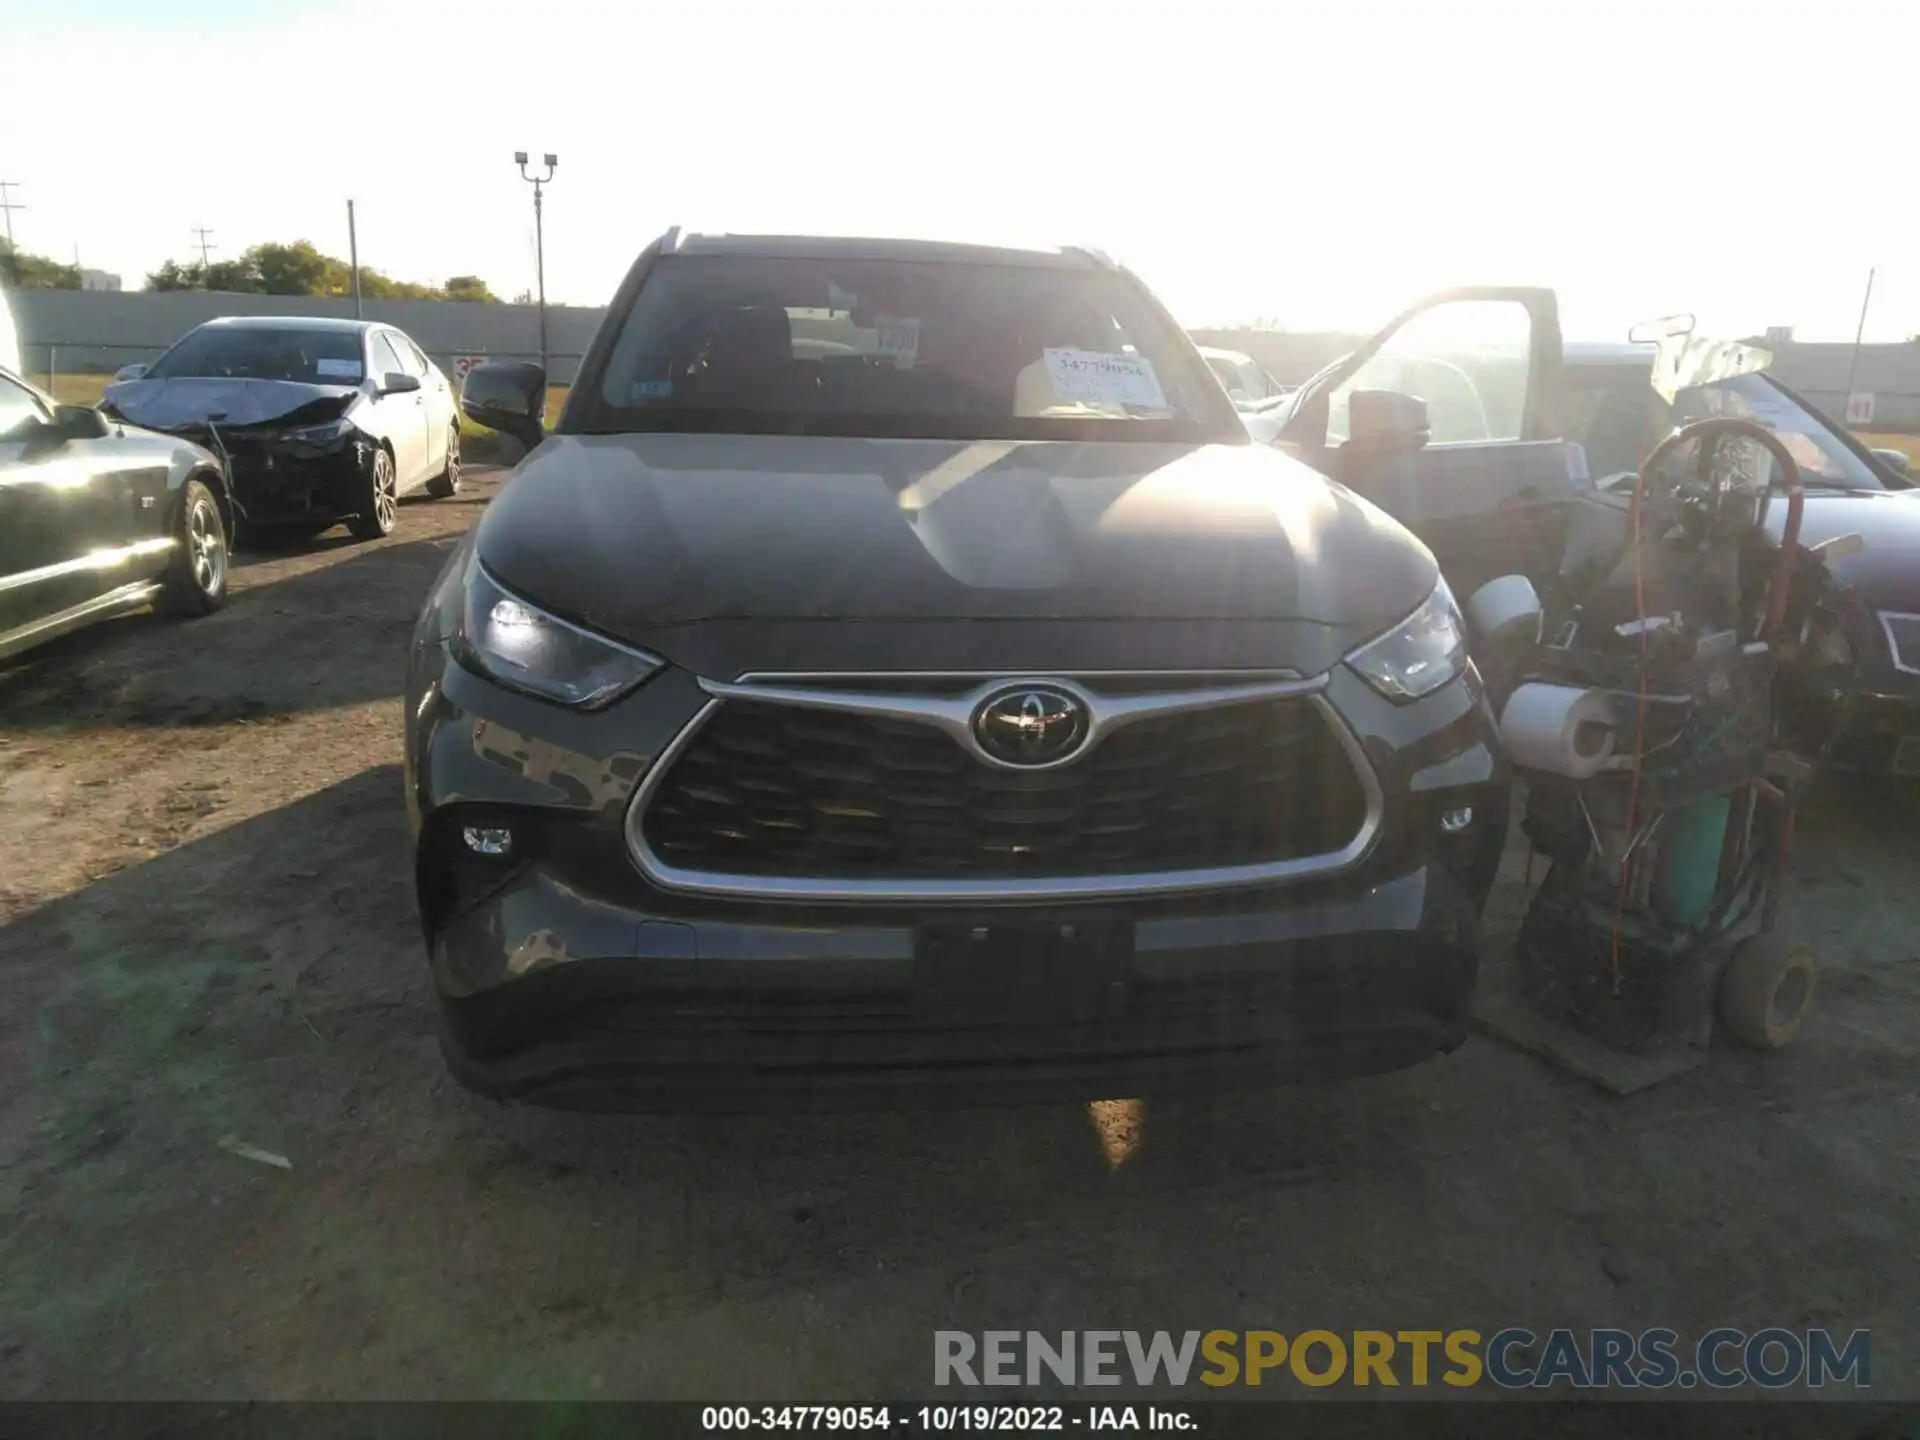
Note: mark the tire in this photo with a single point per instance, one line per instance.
(446, 484)
(195, 582)
(379, 508)
(1766, 991)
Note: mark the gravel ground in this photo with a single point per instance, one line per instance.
(207, 933)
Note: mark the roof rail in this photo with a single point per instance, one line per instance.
(1095, 254)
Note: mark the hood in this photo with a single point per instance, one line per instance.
(644, 536)
(193, 400)
(1886, 573)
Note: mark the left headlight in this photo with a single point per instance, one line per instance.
(1420, 654)
(318, 434)
(520, 646)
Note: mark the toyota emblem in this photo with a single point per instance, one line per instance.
(1031, 725)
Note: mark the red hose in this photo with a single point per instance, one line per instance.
(1778, 585)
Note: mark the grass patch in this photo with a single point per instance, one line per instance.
(76, 389)
(1908, 445)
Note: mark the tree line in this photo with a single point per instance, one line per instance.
(266, 269)
(21, 270)
(300, 269)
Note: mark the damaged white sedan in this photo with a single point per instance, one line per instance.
(319, 421)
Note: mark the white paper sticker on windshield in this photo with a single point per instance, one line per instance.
(338, 369)
(1100, 377)
(898, 336)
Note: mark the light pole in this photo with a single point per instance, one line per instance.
(539, 237)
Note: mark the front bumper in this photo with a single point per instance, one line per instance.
(615, 1008)
(1882, 736)
(563, 976)
(1881, 733)
(277, 483)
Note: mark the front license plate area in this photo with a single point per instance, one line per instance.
(1027, 973)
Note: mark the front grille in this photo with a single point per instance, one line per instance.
(774, 790)
(1903, 637)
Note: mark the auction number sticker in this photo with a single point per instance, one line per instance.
(1101, 377)
(898, 336)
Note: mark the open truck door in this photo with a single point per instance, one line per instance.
(1449, 420)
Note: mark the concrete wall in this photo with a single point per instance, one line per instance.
(79, 330)
(1890, 373)
(104, 330)
(1291, 357)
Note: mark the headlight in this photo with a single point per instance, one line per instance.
(523, 648)
(318, 434)
(1420, 654)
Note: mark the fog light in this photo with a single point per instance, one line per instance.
(1451, 821)
(487, 841)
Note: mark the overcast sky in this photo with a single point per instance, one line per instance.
(1319, 165)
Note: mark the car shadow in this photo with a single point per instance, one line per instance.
(181, 1030)
(219, 1084)
(300, 632)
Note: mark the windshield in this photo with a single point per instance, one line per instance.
(769, 345)
(1618, 418)
(309, 356)
(1823, 457)
(1239, 376)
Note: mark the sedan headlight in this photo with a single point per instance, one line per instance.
(318, 434)
(1420, 654)
(523, 648)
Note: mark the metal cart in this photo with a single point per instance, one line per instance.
(1665, 869)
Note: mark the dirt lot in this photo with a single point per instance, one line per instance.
(207, 932)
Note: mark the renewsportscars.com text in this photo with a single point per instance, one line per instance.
(1512, 1359)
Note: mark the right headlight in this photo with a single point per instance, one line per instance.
(519, 645)
(1420, 654)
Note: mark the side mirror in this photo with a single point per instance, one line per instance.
(129, 372)
(1897, 461)
(509, 396)
(1666, 327)
(70, 422)
(1386, 421)
(396, 383)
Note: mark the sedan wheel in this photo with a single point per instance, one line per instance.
(196, 579)
(207, 546)
(447, 483)
(380, 507)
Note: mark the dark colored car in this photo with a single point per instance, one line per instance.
(322, 421)
(97, 519)
(1616, 414)
(1462, 485)
(899, 675)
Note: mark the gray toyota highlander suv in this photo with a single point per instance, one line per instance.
(897, 676)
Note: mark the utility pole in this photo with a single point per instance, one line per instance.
(539, 237)
(8, 204)
(205, 245)
(1859, 330)
(353, 258)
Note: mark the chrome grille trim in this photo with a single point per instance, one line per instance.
(1906, 665)
(953, 714)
